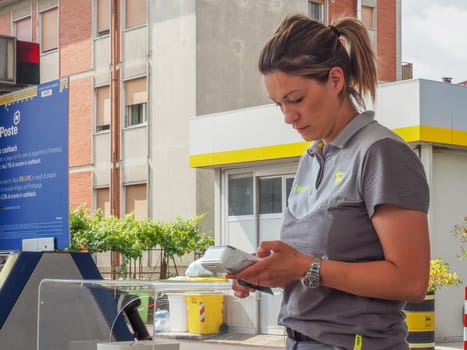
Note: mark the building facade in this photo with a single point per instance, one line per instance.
(139, 69)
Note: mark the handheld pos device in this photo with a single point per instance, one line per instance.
(228, 259)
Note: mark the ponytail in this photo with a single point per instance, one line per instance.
(363, 73)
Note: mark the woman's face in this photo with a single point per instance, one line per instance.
(309, 106)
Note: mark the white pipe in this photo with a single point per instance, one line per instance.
(398, 40)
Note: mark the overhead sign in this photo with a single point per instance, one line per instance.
(7, 60)
(19, 62)
(34, 165)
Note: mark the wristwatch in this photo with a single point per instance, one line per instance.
(311, 277)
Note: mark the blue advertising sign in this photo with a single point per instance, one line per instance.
(34, 165)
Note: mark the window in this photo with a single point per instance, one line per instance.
(135, 13)
(136, 98)
(270, 195)
(288, 186)
(103, 200)
(135, 114)
(240, 194)
(368, 20)
(102, 108)
(49, 30)
(368, 16)
(23, 29)
(273, 193)
(316, 10)
(103, 17)
(136, 200)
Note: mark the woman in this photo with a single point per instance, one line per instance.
(354, 242)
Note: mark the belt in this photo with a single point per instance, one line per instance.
(297, 336)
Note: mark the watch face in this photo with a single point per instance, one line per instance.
(304, 281)
(309, 281)
(312, 282)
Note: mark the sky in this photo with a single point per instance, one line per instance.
(434, 38)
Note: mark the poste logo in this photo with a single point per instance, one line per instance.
(16, 117)
(13, 129)
(339, 177)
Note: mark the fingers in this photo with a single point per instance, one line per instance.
(241, 294)
(272, 246)
(276, 268)
(266, 248)
(240, 291)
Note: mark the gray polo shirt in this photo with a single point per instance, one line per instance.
(334, 195)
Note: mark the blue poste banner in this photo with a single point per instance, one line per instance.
(34, 165)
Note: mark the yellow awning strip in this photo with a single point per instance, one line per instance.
(417, 133)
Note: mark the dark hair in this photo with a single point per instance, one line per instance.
(305, 47)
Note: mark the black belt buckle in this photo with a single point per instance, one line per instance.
(297, 336)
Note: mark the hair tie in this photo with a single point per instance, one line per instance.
(334, 30)
(343, 40)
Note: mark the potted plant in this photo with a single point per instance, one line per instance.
(420, 317)
(460, 232)
(441, 275)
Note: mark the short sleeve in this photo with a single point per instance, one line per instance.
(393, 174)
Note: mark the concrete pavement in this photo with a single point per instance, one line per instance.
(449, 346)
(263, 340)
(268, 340)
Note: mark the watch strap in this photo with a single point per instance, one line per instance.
(311, 279)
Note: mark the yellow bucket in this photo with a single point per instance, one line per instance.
(205, 313)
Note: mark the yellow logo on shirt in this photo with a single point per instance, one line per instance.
(298, 188)
(339, 177)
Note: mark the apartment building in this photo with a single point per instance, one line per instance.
(139, 69)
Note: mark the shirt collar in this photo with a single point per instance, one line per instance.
(357, 123)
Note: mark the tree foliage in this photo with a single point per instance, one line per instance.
(96, 233)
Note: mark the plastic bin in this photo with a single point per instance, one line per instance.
(161, 321)
(178, 312)
(205, 313)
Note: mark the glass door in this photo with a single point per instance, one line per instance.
(271, 203)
